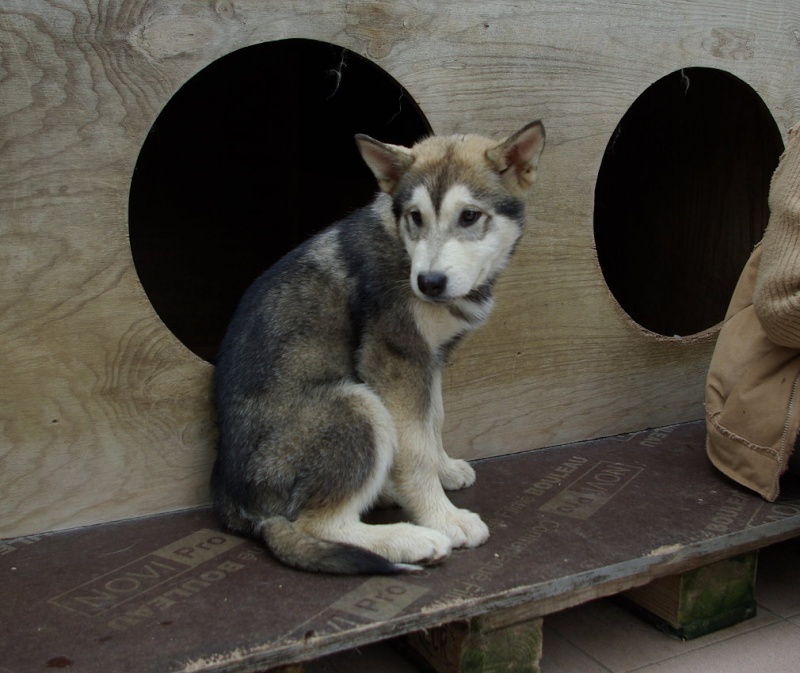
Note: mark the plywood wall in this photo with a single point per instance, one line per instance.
(105, 415)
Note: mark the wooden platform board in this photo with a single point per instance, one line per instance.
(173, 593)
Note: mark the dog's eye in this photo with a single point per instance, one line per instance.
(416, 217)
(469, 217)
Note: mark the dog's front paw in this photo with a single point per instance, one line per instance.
(456, 474)
(464, 528)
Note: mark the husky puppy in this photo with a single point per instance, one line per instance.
(328, 382)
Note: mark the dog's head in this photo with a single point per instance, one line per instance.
(457, 204)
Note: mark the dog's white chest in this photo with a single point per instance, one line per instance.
(438, 325)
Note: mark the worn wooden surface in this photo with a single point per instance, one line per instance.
(469, 647)
(702, 600)
(567, 525)
(105, 414)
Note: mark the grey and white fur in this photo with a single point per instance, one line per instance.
(328, 382)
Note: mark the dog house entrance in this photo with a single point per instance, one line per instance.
(681, 198)
(250, 157)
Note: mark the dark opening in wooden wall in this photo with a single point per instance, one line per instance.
(681, 198)
(249, 158)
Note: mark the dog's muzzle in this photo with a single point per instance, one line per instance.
(432, 285)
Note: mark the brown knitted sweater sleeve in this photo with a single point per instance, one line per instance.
(777, 293)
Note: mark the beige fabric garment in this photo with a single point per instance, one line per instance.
(752, 410)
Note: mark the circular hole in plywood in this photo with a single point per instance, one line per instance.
(249, 158)
(681, 198)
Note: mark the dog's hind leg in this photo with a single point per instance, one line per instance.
(399, 543)
(404, 543)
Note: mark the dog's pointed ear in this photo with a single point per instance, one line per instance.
(387, 162)
(517, 157)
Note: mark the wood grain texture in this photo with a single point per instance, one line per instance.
(106, 415)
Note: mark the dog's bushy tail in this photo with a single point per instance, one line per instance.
(294, 547)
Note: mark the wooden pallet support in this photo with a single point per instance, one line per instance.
(702, 600)
(479, 645)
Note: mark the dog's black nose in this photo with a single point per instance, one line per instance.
(432, 284)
